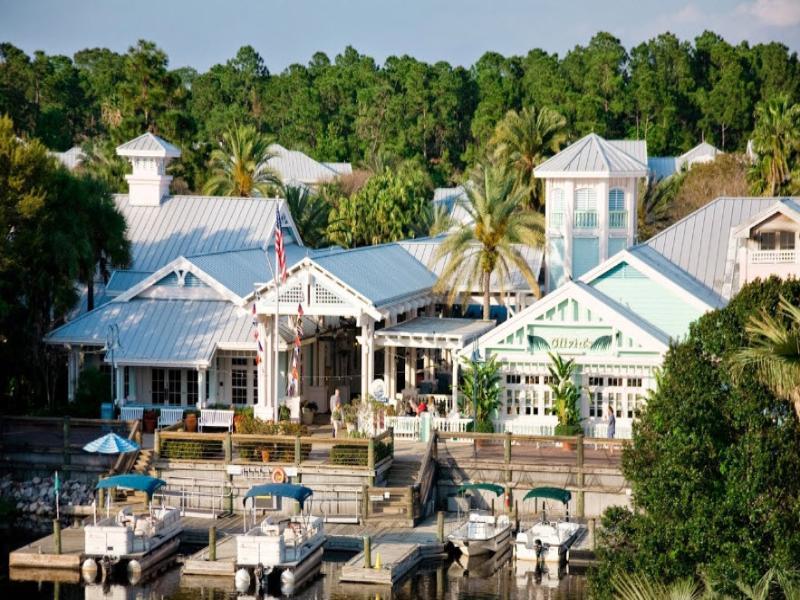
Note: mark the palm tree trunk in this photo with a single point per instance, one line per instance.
(486, 302)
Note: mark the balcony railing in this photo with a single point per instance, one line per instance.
(617, 219)
(773, 257)
(585, 219)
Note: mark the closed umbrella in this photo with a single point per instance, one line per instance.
(111, 443)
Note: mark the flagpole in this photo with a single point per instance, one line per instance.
(276, 412)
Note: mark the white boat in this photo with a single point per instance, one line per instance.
(288, 549)
(548, 541)
(481, 532)
(136, 539)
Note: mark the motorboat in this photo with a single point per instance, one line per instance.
(135, 538)
(547, 540)
(482, 566)
(481, 532)
(288, 550)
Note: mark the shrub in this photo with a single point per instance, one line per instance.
(94, 388)
(188, 450)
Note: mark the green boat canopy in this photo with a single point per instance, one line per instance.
(552, 493)
(489, 487)
(140, 483)
(285, 490)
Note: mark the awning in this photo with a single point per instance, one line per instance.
(141, 483)
(284, 490)
(433, 332)
(489, 487)
(552, 493)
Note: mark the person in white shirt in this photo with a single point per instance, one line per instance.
(336, 404)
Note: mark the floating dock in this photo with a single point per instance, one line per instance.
(41, 554)
(396, 560)
(225, 565)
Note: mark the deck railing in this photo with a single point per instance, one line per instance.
(585, 219)
(617, 219)
(773, 257)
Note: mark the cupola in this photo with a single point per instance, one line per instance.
(149, 156)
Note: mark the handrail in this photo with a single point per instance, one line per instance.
(519, 437)
(166, 434)
(125, 461)
(427, 474)
(74, 421)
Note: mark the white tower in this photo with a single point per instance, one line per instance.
(149, 155)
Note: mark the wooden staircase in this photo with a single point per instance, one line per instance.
(404, 471)
(144, 463)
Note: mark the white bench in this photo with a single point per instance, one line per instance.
(216, 418)
(131, 413)
(169, 416)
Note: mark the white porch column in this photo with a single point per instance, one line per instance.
(133, 373)
(73, 371)
(367, 357)
(389, 365)
(119, 373)
(412, 360)
(201, 388)
(264, 408)
(454, 360)
(213, 382)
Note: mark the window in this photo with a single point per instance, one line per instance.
(616, 200)
(635, 403)
(634, 382)
(593, 381)
(174, 387)
(513, 379)
(585, 199)
(615, 382)
(766, 240)
(191, 387)
(239, 380)
(159, 392)
(615, 400)
(787, 240)
(555, 207)
(548, 402)
(126, 387)
(596, 404)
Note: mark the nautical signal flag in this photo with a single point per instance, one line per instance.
(280, 251)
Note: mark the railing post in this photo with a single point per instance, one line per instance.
(581, 478)
(410, 502)
(440, 527)
(297, 451)
(364, 503)
(228, 447)
(66, 428)
(157, 444)
(57, 535)
(367, 552)
(592, 525)
(507, 448)
(371, 460)
(212, 543)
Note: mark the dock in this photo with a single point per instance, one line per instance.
(397, 559)
(41, 554)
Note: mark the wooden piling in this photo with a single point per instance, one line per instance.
(57, 535)
(592, 525)
(364, 503)
(440, 527)
(371, 460)
(212, 543)
(228, 447)
(298, 456)
(492, 506)
(156, 444)
(581, 476)
(367, 552)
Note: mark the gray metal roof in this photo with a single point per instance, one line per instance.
(699, 243)
(148, 144)
(424, 250)
(702, 151)
(382, 274)
(593, 156)
(636, 148)
(70, 158)
(341, 168)
(173, 332)
(296, 167)
(190, 225)
(459, 331)
(122, 280)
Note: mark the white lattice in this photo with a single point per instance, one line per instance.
(294, 294)
(322, 295)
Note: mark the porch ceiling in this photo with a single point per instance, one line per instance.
(433, 332)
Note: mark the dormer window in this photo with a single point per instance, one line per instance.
(776, 240)
(585, 208)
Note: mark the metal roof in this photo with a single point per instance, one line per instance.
(169, 332)
(70, 158)
(341, 168)
(699, 243)
(382, 274)
(427, 331)
(636, 148)
(424, 250)
(190, 225)
(297, 167)
(593, 156)
(122, 280)
(662, 167)
(703, 150)
(148, 144)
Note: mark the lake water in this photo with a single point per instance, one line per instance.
(441, 580)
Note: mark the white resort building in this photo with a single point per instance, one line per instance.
(191, 321)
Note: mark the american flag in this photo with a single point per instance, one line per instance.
(280, 252)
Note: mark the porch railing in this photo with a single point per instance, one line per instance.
(408, 428)
(585, 219)
(617, 219)
(773, 257)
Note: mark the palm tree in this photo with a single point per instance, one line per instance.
(776, 139)
(310, 214)
(239, 166)
(481, 389)
(490, 243)
(656, 203)
(523, 140)
(630, 586)
(566, 395)
(774, 352)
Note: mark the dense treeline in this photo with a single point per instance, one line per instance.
(670, 92)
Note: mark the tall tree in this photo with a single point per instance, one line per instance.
(310, 214)
(489, 245)
(521, 141)
(776, 141)
(240, 167)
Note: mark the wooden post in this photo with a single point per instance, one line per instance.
(440, 527)
(492, 506)
(66, 428)
(581, 478)
(212, 543)
(298, 457)
(101, 497)
(228, 447)
(371, 460)
(591, 533)
(516, 513)
(367, 552)
(157, 444)
(410, 503)
(507, 448)
(57, 535)
(364, 503)
(440, 581)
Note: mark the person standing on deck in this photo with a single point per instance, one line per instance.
(336, 405)
(612, 423)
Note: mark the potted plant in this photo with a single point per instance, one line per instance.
(350, 416)
(566, 397)
(149, 420)
(190, 421)
(481, 390)
(308, 412)
(284, 414)
(240, 415)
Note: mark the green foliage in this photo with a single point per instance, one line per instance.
(566, 395)
(239, 166)
(481, 389)
(186, 450)
(94, 389)
(386, 209)
(343, 454)
(284, 414)
(712, 465)
(776, 141)
(310, 214)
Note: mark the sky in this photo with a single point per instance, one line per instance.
(201, 33)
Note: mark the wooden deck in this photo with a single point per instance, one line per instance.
(41, 554)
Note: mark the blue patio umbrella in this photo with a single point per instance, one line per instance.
(111, 443)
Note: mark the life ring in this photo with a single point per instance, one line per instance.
(278, 475)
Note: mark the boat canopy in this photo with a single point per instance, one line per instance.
(140, 483)
(285, 490)
(552, 493)
(489, 487)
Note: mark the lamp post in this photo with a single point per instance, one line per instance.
(112, 343)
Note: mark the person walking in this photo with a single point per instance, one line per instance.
(612, 424)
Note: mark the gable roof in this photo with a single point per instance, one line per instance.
(294, 166)
(593, 156)
(790, 207)
(71, 158)
(635, 148)
(703, 150)
(148, 144)
(341, 168)
(189, 225)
